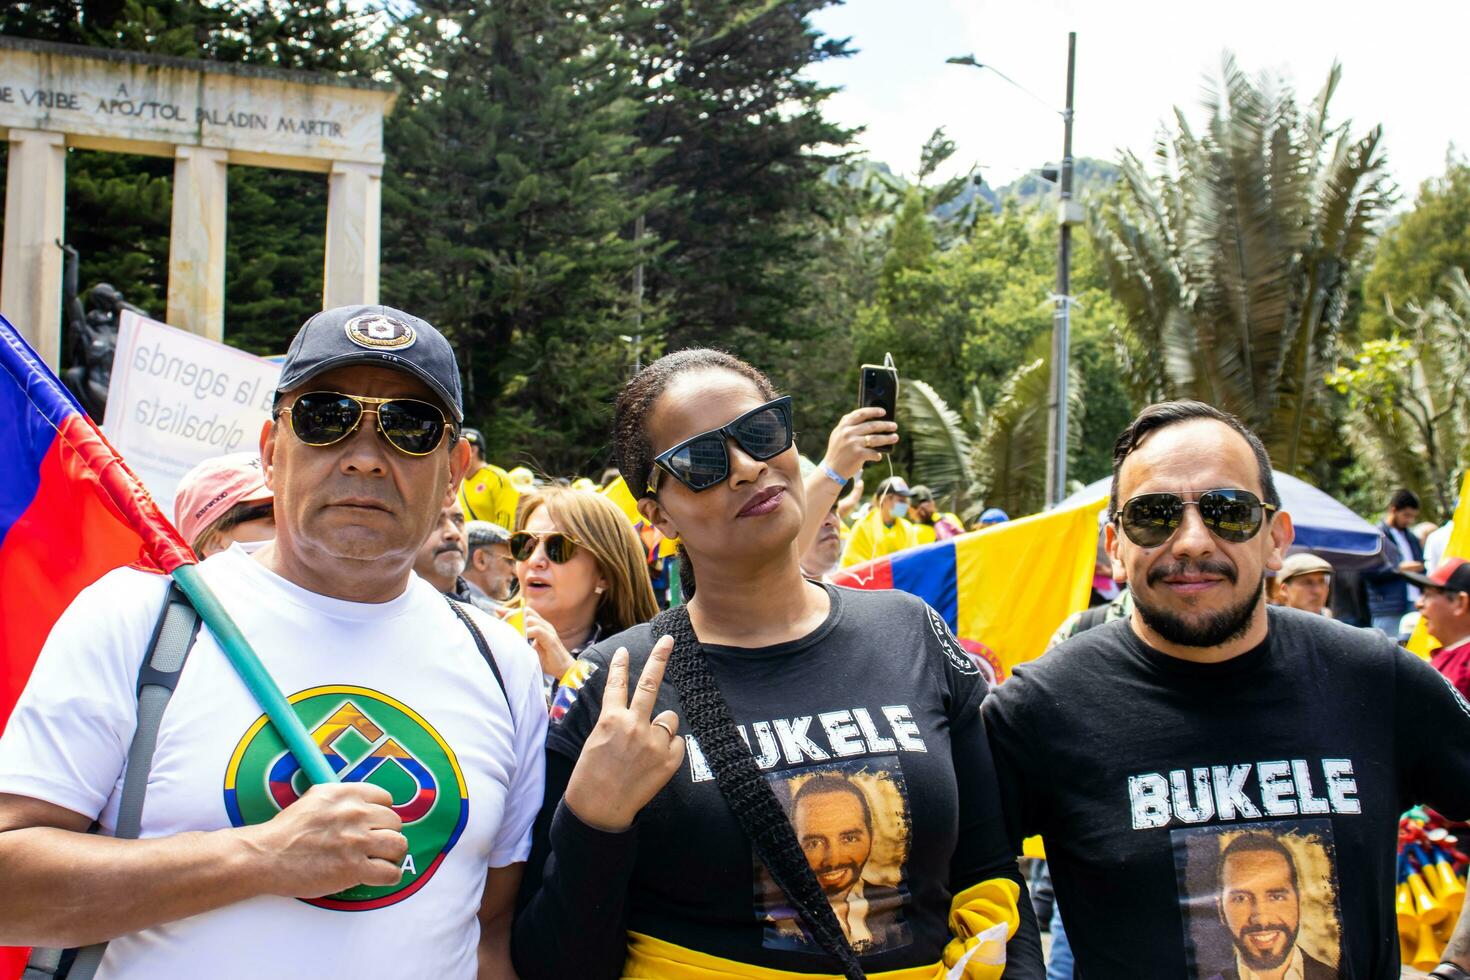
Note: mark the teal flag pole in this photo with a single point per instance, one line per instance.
(262, 687)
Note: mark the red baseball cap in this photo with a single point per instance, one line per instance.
(1452, 575)
(209, 490)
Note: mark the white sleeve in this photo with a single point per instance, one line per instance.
(521, 669)
(67, 741)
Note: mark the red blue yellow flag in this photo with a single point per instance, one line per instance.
(1003, 589)
(70, 511)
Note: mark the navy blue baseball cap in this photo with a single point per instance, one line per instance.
(378, 335)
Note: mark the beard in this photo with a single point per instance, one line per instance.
(449, 563)
(1258, 960)
(1214, 629)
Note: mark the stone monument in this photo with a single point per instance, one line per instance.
(205, 115)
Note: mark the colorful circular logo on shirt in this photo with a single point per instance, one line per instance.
(366, 737)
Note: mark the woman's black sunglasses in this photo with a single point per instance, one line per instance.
(559, 547)
(702, 461)
(321, 418)
(1150, 519)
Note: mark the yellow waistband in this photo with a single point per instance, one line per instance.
(971, 912)
(654, 959)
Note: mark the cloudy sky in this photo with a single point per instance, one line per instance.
(1404, 66)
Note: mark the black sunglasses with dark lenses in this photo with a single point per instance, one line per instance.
(703, 461)
(413, 427)
(559, 547)
(1150, 519)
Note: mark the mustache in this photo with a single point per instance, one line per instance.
(1249, 930)
(1206, 567)
(447, 548)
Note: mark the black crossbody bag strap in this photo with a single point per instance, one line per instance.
(746, 791)
(173, 637)
(483, 646)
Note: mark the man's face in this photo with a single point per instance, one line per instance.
(440, 559)
(835, 837)
(1260, 907)
(494, 570)
(358, 499)
(1403, 518)
(1195, 589)
(826, 548)
(1446, 614)
(1307, 592)
(924, 511)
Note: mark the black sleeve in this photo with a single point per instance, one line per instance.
(1432, 722)
(1012, 753)
(572, 911)
(981, 851)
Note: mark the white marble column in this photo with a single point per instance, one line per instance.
(196, 245)
(35, 207)
(354, 206)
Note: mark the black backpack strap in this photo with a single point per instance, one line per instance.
(745, 789)
(158, 675)
(484, 647)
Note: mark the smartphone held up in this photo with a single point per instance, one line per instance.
(878, 388)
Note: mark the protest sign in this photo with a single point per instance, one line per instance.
(177, 398)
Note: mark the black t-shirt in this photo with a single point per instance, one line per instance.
(1192, 810)
(870, 734)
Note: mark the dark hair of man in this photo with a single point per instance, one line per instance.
(1259, 843)
(1161, 415)
(633, 453)
(827, 783)
(1403, 498)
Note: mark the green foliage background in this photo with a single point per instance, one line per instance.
(532, 140)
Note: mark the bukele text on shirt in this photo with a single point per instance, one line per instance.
(846, 733)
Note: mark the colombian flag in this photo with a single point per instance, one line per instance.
(70, 511)
(1004, 589)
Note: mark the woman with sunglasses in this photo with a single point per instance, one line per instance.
(809, 791)
(581, 572)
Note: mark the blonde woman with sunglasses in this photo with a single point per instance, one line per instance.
(582, 575)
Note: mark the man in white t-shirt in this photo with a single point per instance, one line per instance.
(406, 868)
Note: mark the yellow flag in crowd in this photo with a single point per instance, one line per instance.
(1458, 547)
(1003, 589)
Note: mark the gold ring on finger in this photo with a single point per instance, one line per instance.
(867, 442)
(665, 726)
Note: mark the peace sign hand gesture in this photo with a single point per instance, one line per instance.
(628, 758)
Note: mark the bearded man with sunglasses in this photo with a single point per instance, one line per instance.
(430, 712)
(1141, 748)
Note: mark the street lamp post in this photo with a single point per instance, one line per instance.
(1069, 213)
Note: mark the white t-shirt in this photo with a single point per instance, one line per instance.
(1435, 546)
(397, 692)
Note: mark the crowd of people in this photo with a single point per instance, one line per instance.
(583, 738)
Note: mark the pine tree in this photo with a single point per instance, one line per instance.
(507, 215)
(724, 94)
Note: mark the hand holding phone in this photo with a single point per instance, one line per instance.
(878, 388)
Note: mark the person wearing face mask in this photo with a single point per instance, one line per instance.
(886, 527)
(582, 574)
(224, 501)
(808, 792)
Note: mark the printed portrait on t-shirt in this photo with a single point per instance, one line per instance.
(1259, 901)
(852, 821)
